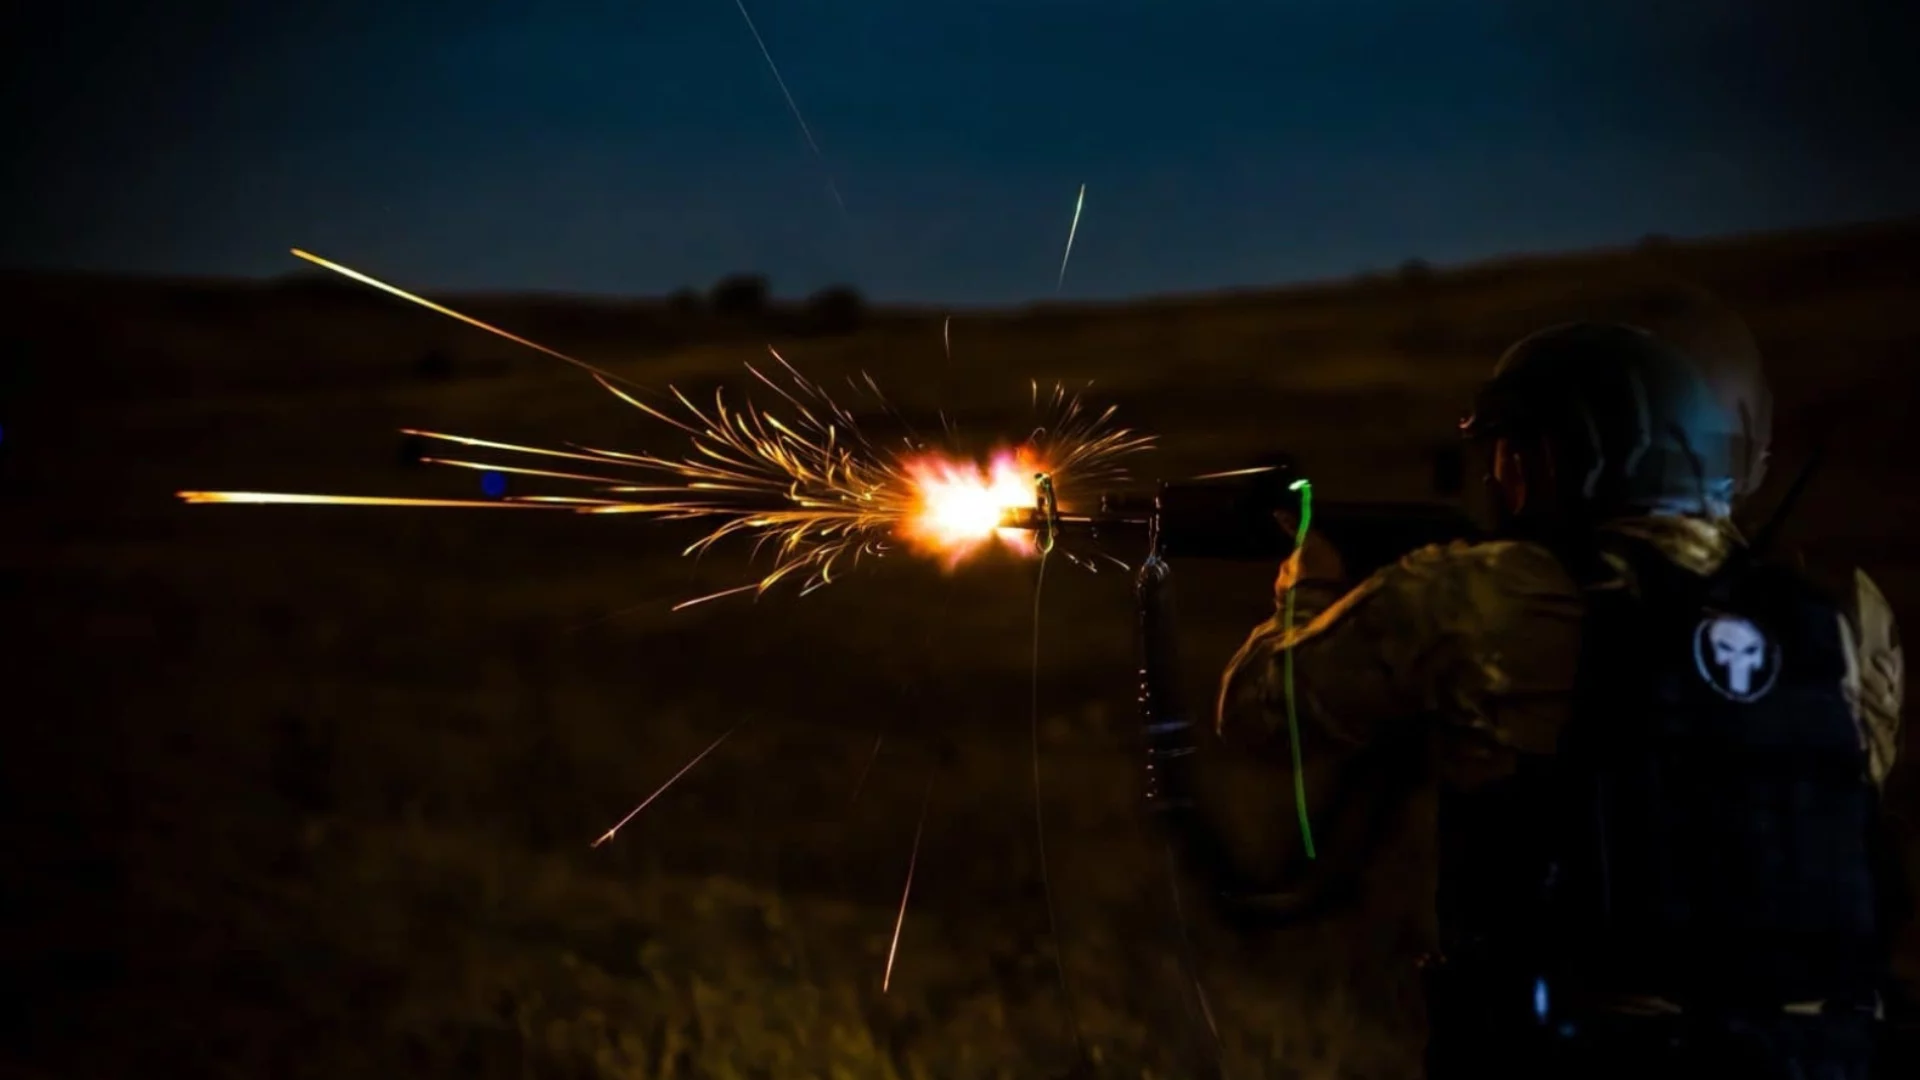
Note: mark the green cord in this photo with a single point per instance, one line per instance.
(1305, 488)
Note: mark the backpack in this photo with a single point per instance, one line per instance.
(1706, 830)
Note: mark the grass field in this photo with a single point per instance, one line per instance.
(310, 792)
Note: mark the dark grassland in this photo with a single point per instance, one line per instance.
(308, 792)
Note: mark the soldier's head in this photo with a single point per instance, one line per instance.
(1584, 422)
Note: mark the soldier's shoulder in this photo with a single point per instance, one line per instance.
(1491, 560)
(1876, 672)
(1484, 584)
(1871, 612)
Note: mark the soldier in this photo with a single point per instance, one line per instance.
(1659, 756)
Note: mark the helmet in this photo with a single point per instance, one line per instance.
(1687, 316)
(1631, 421)
(1719, 343)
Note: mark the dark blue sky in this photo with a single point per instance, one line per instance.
(640, 145)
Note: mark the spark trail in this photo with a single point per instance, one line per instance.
(792, 105)
(1079, 203)
(662, 789)
(906, 891)
(265, 497)
(816, 489)
(395, 290)
(860, 784)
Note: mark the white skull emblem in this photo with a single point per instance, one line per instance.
(1739, 648)
(1744, 657)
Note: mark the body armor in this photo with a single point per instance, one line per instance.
(1702, 837)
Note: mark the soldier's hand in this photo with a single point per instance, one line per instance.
(1317, 561)
(1154, 585)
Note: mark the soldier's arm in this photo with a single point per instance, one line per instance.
(1875, 674)
(1483, 638)
(1875, 689)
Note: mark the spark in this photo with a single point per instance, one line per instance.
(448, 312)
(661, 790)
(792, 105)
(610, 616)
(485, 444)
(1079, 203)
(685, 604)
(860, 784)
(906, 892)
(548, 473)
(807, 483)
(1228, 474)
(269, 497)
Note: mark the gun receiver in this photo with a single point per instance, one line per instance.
(1234, 517)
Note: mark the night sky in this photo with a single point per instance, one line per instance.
(641, 145)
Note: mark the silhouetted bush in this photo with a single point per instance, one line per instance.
(1655, 242)
(1416, 272)
(740, 296)
(836, 310)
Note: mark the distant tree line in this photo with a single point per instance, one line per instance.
(748, 298)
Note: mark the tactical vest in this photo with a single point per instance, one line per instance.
(1704, 831)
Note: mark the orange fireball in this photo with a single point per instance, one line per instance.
(958, 505)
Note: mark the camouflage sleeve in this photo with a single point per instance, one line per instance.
(1875, 674)
(1483, 638)
(1875, 689)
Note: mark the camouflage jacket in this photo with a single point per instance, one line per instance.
(1479, 643)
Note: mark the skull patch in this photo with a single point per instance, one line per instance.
(1735, 657)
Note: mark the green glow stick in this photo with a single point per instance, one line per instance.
(1305, 488)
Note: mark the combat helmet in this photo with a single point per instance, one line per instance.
(1633, 423)
(1722, 346)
